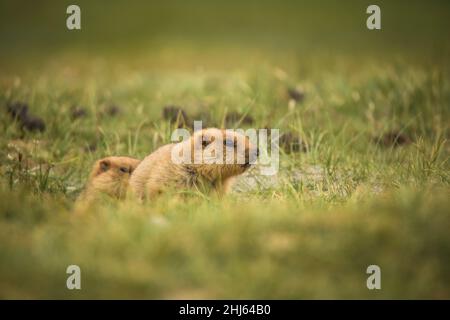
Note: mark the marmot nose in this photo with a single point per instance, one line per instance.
(251, 155)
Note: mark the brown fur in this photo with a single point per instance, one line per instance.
(158, 172)
(109, 176)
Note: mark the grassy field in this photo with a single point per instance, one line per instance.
(351, 198)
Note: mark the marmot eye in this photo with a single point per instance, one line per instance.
(124, 170)
(228, 143)
(205, 143)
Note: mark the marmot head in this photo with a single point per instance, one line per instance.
(110, 175)
(220, 153)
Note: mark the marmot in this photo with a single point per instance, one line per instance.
(159, 171)
(109, 176)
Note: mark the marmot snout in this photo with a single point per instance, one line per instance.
(207, 166)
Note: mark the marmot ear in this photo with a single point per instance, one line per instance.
(104, 165)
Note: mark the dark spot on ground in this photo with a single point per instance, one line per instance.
(32, 123)
(296, 94)
(176, 115)
(393, 139)
(288, 141)
(206, 119)
(18, 110)
(291, 142)
(78, 112)
(235, 117)
(113, 110)
(91, 147)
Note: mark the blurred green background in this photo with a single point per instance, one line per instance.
(283, 28)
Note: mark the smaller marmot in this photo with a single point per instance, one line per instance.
(206, 166)
(109, 176)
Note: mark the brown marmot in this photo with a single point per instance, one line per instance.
(206, 167)
(109, 176)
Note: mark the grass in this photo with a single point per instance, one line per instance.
(352, 199)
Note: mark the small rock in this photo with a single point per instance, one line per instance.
(252, 180)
